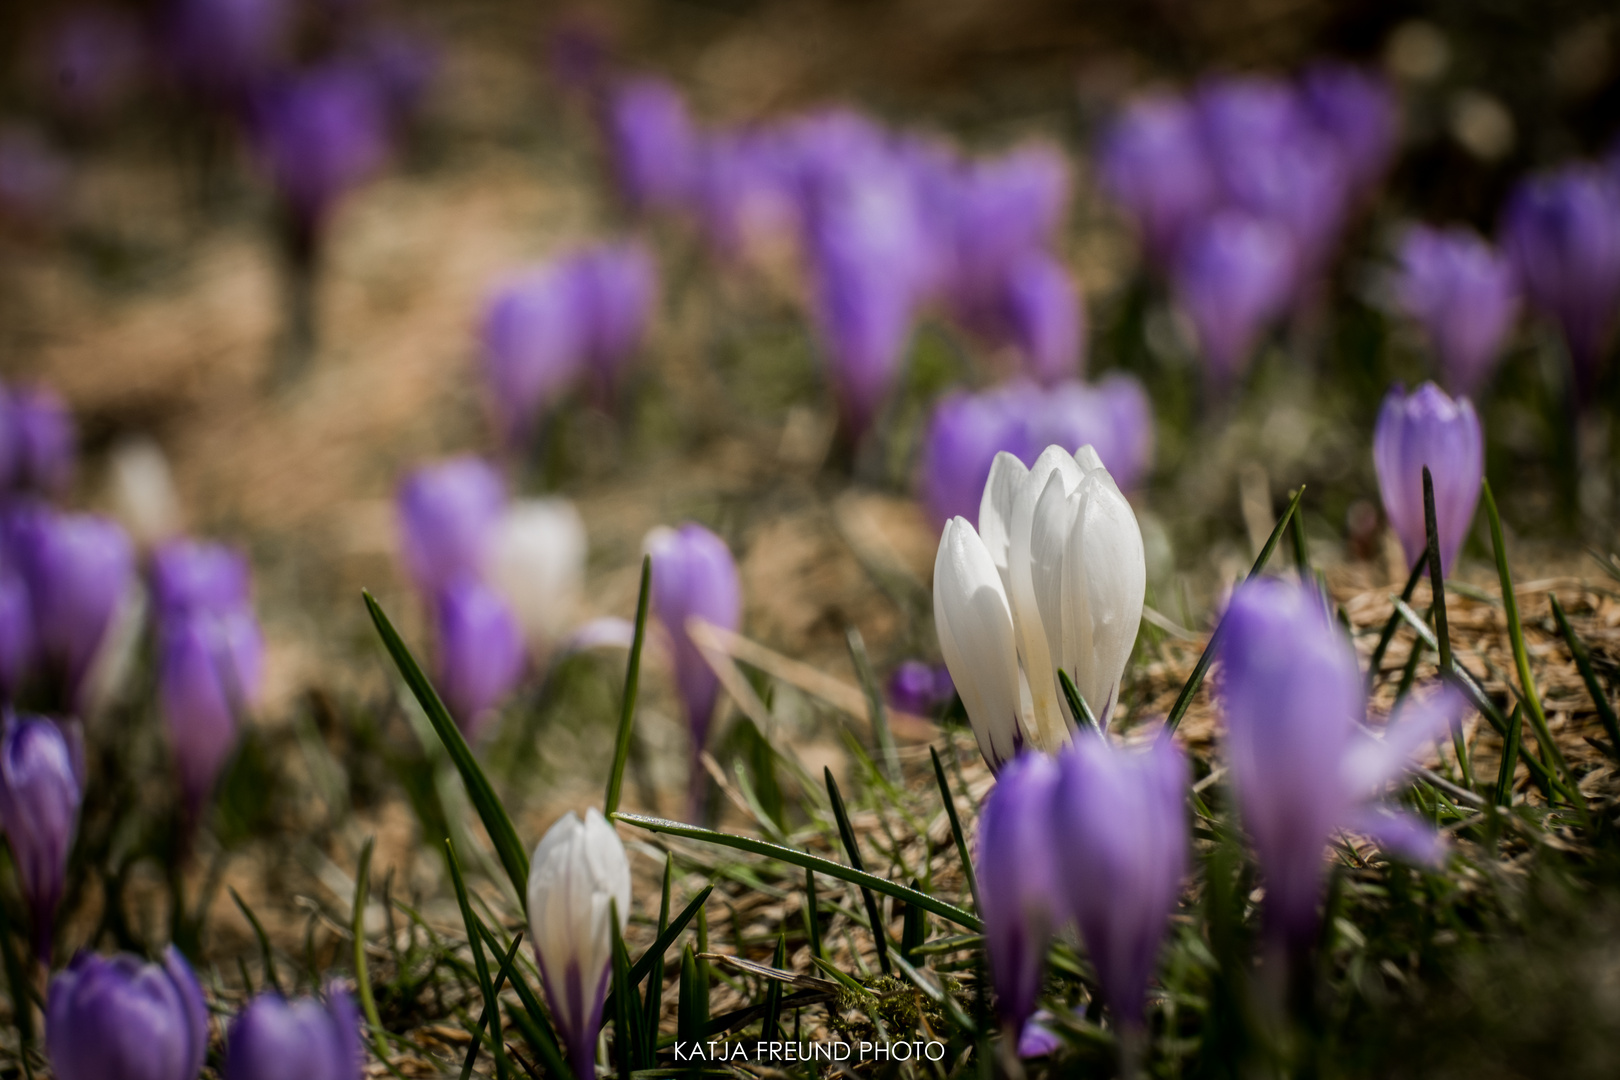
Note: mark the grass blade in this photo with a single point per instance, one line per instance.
(264, 939)
(1503, 795)
(1387, 635)
(362, 972)
(913, 927)
(875, 709)
(956, 827)
(483, 1018)
(655, 954)
(632, 684)
(847, 834)
(1077, 703)
(496, 820)
(812, 913)
(1437, 581)
(794, 857)
(692, 1013)
(1583, 662)
(532, 1021)
(627, 1005)
(653, 1003)
(492, 1004)
(772, 1026)
(1196, 679)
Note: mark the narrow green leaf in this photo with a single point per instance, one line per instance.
(1503, 795)
(655, 954)
(532, 1021)
(264, 939)
(812, 913)
(956, 827)
(1302, 554)
(627, 1005)
(794, 857)
(362, 971)
(483, 1017)
(1196, 679)
(496, 821)
(913, 927)
(653, 1002)
(876, 712)
(848, 983)
(492, 1004)
(771, 1028)
(692, 1009)
(632, 683)
(1386, 635)
(1437, 583)
(1077, 703)
(539, 1040)
(1594, 689)
(847, 833)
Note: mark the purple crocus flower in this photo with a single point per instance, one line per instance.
(321, 132)
(1428, 428)
(480, 652)
(1046, 318)
(93, 57)
(447, 513)
(39, 430)
(211, 658)
(120, 1017)
(1303, 769)
(308, 1038)
(1464, 295)
(1130, 455)
(1122, 821)
(79, 569)
(694, 577)
(963, 438)
(1562, 231)
(654, 144)
(1019, 893)
(16, 632)
(224, 48)
(1153, 163)
(33, 177)
(919, 688)
(618, 286)
(534, 336)
(744, 189)
(402, 64)
(1233, 275)
(1358, 111)
(998, 213)
(41, 789)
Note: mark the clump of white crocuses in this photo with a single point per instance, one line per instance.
(579, 881)
(1053, 578)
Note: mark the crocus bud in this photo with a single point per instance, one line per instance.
(40, 430)
(963, 438)
(694, 576)
(1018, 887)
(1120, 819)
(40, 793)
(448, 513)
(920, 688)
(579, 879)
(537, 564)
(480, 653)
(1292, 697)
(1465, 297)
(618, 286)
(1562, 231)
(1154, 164)
(974, 622)
(122, 1017)
(653, 143)
(1046, 318)
(1428, 428)
(321, 132)
(80, 571)
(1357, 109)
(307, 1038)
(1233, 275)
(535, 335)
(998, 213)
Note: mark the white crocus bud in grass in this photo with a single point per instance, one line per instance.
(578, 877)
(975, 628)
(537, 563)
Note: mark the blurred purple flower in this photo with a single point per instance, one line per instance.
(920, 688)
(963, 437)
(1046, 317)
(308, 1038)
(1122, 818)
(1292, 697)
(79, 569)
(1464, 295)
(654, 144)
(40, 438)
(17, 645)
(93, 58)
(1562, 231)
(1129, 456)
(448, 513)
(1428, 428)
(480, 650)
(535, 333)
(693, 576)
(33, 177)
(41, 789)
(192, 575)
(1233, 275)
(1037, 1039)
(998, 212)
(744, 190)
(322, 132)
(402, 64)
(1153, 163)
(1018, 881)
(618, 288)
(225, 48)
(578, 55)
(1358, 110)
(121, 1017)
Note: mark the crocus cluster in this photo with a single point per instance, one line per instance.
(501, 578)
(309, 1038)
(967, 430)
(1464, 295)
(41, 789)
(120, 1016)
(1428, 429)
(547, 328)
(885, 225)
(1054, 578)
(1096, 838)
(693, 577)
(1242, 189)
(210, 658)
(579, 882)
(1303, 765)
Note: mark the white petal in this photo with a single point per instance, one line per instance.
(1104, 583)
(1087, 458)
(1050, 730)
(537, 563)
(1049, 535)
(1007, 475)
(974, 624)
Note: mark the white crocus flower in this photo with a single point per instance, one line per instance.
(1069, 557)
(537, 564)
(578, 875)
